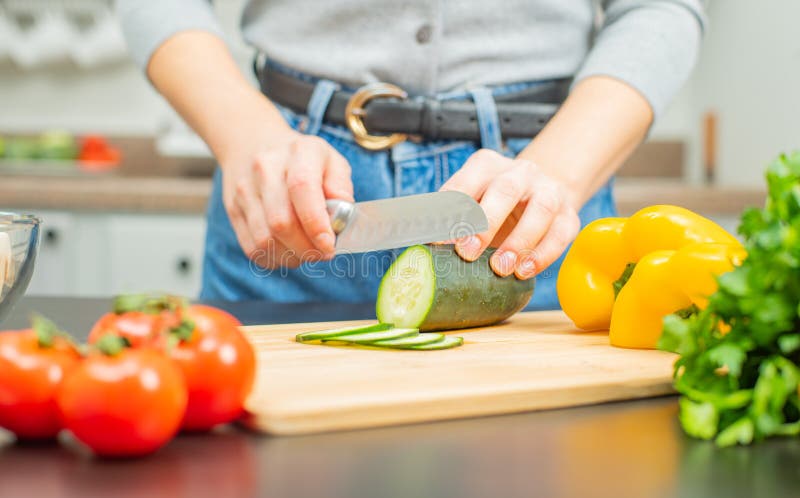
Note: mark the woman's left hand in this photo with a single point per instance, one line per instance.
(532, 216)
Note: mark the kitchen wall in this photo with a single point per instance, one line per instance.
(748, 72)
(113, 99)
(748, 75)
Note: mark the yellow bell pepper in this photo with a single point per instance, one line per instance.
(665, 282)
(676, 253)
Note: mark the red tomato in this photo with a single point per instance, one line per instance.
(219, 366)
(122, 405)
(30, 374)
(139, 328)
(220, 317)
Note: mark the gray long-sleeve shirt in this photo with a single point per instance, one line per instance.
(433, 46)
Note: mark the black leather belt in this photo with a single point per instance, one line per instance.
(379, 109)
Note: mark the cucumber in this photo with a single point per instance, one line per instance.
(432, 288)
(331, 333)
(370, 337)
(382, 335)
(444, 343)
(409, 342)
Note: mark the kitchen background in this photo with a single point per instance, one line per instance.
(129, 216)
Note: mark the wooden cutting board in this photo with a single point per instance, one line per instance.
(534, 361)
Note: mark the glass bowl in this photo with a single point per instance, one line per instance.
(19, 242)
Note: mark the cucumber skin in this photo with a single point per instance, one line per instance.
(470, 294)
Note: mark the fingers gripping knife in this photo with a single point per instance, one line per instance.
(404, 221)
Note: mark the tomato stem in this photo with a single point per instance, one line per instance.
(147, 303)
(112, 344)
(46, 332)
(184, 331)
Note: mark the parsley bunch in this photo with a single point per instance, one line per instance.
(739, 368)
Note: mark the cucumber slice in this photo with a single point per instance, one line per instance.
(368, 338)
(409, 342)
(407, 289)
(330, 333)
(432, 288)
(444, 343)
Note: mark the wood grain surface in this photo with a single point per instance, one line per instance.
(534, 361)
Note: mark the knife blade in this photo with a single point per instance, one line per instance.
(404, 221)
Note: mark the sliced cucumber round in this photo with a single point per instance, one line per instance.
(406, 292)
(444, 343)
(370, 337)
(409, 342)
(319, 335)
(433, 288)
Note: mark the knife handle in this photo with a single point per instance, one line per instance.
(340, 212)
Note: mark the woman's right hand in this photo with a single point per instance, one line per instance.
(274, 180)
(275, 198)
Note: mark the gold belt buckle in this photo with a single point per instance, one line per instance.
(354, 112)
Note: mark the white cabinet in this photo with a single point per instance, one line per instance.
(155, 253)
(53, 272)
(88, 254)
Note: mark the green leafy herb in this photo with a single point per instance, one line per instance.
(739, 369)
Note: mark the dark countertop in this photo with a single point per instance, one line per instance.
(626, 449)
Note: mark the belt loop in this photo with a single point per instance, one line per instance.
(488, 120)
(318, 104)
(259, 61)
(431, 119)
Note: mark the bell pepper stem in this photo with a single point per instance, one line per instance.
(688, 311)
(623, 279)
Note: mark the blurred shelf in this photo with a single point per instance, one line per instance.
(43, 167)
(107, 193)
(148, 181)
(189, 195)
(634, 194)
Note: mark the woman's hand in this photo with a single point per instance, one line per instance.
(532, 203)
(276, 200)
(532, 216)
(274, 179)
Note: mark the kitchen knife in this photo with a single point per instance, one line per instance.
(404, 221)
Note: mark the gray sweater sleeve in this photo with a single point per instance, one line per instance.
(148, 24)
(651, 45)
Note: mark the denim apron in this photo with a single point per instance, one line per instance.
(407, 168)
